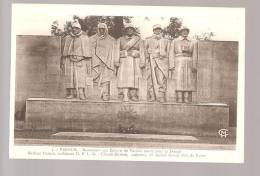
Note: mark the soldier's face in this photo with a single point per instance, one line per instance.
(157, 31)
(101, 31)
(69, 29)
(129, 31)
(184, 33)
(76, 30)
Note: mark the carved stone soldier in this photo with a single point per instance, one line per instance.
(157, 64)
(130, 60)
(183, 65)
(103, 70)
(75, 62)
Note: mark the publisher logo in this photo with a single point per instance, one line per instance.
(223, 133)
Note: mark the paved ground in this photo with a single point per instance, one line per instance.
(115, 136)
(128, 144)
(123, 140)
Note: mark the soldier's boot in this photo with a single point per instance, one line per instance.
(125, 93)
(161, 97)
(190, 96)
(151, 95)
(134, 98)
(186, 97)
(152, 99)
(69, 93)
(179, 97)
(105, 92)
(81, 94)
(105, 97)
(133, 95)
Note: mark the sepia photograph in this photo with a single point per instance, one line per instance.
(141, 83)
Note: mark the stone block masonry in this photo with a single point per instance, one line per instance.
(201, 119)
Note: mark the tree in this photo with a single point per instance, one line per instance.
(89, 24)
(172, 30)
(115, 24)
(205, 36)
(117, 30)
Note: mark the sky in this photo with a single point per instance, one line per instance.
(226, 23)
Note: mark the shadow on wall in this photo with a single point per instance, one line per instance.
(20, 115)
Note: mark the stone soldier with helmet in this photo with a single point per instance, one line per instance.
(130, 60)
(183, 65)
(75, 62)
(156, 48)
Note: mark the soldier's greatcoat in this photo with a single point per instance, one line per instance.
(76, 60)
(129, 55)
(183, 58)
(157, 63)
(102, 50)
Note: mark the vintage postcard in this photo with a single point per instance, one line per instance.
(138, 83)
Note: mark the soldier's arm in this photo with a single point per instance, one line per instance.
(87, 46)
(142, 54)
(116, 53)
(146, 46)
(164, 49)
(171, 55)
(195, 55)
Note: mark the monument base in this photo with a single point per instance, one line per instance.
(199, 119)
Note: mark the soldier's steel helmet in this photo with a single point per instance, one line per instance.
(157, 26)
(184, 28)
(129, 25)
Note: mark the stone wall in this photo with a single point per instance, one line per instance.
(37, 69)
(37, 72)
(218, 74)
(200, 119)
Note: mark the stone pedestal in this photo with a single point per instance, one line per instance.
(133, 117)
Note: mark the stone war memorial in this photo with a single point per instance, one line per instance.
(106, 76)
(97, 103)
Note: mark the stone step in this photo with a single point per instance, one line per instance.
(116, 136)
(127, 144)
(131, 117)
